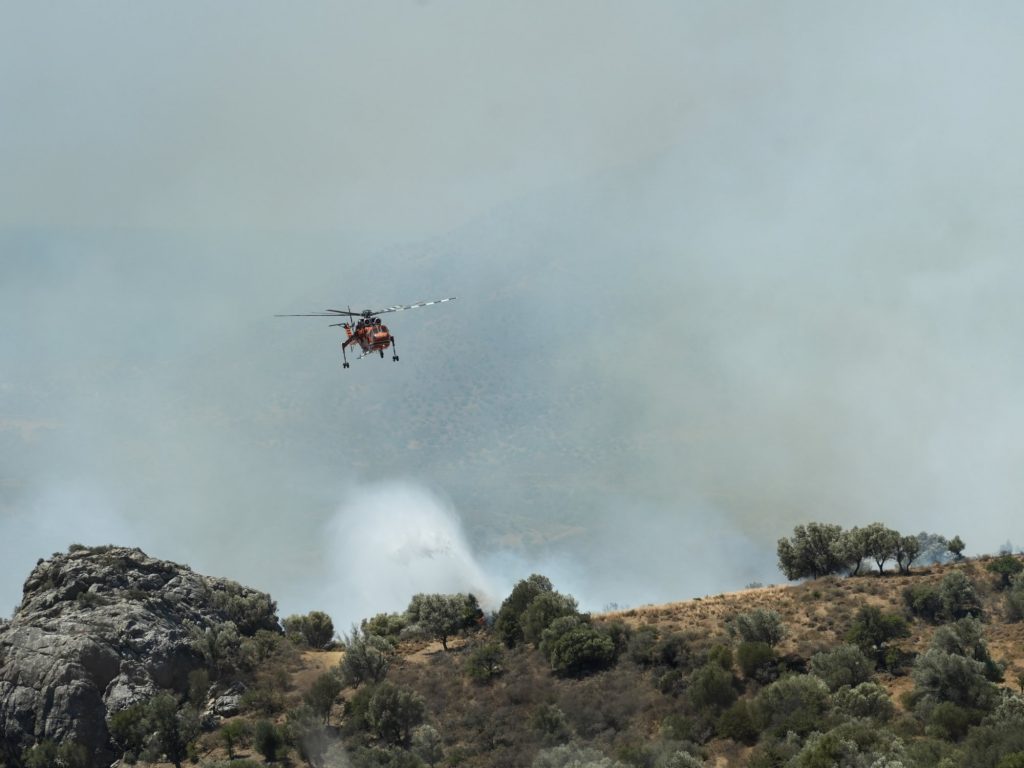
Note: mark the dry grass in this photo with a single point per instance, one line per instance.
(616, 710)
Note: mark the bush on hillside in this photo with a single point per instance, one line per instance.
(314, 630)
(959, 597)
(757, 661)
(367, 659)
(868, 700)
(760, 625)
(574, 647)
(392, 712)
(795, 703)
(508, 624)
(844, 665)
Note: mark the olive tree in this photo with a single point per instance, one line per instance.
(367, 658)
(508, 624)
(442, 616)
(760, 625)
(814, 550)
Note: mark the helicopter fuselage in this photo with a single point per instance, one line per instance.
(371, 337)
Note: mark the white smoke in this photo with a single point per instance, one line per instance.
(390, 541)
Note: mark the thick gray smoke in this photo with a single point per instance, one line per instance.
(721, 269)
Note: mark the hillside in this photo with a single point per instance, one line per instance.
(763, 677)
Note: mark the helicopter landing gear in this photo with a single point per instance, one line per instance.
(344, 358)
(344, 365)
(394, 357)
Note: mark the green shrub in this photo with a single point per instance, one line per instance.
(485, 662)
(951, 722)
(867, 700)
(314, 630)
(322, 694)
(641, 647)
(1014, 599)
(550, 722)
(367, 658)
(508, 624)
(574, 647)
(843, 665)
(711, 687)
(794, 703)
(923, 601)
(739, 723)
(574, 756)
(758, 626)
(959, 597)
(1005, 566)
(427, 744)
(268, 739)
(392, 712)
(756, 660)
(872, 631)
(388, 625)
(542, 610)
(942, 676)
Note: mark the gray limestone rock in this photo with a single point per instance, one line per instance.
(100, 629)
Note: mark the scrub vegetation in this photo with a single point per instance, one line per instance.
(876, 667)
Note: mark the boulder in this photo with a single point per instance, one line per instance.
(100, 629)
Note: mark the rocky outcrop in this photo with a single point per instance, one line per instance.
(102, 628)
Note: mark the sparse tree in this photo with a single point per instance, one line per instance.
(711, 688)
(48, 754)
(485, 662)
(541, 611)
(1014, 599)
(964, 637)
(232, 733)
(574, 756)
(958, 596)
(760, 625)
(906, 551)
(923, 601)
(853, 544)
(956, 547)
(575, 647)
(795, 703)
(844, 665)
(439, 616)
(322, 695)
(393, 712)
(314, 630)
(814, 550)
(173, 729)
(756, 661)
(219, 646)
(942, 676)
(872, 631)
(508, 623)
(268, 739)
(882, 543)
(318, 629)
(1005, 566)
(427, 744)
(129, 728)
(864, 700)
(367, 658)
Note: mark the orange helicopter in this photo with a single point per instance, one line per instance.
(368, 331)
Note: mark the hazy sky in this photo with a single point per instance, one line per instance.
(721, 268)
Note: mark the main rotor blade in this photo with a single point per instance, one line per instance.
(328, 313)
(400, 307)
